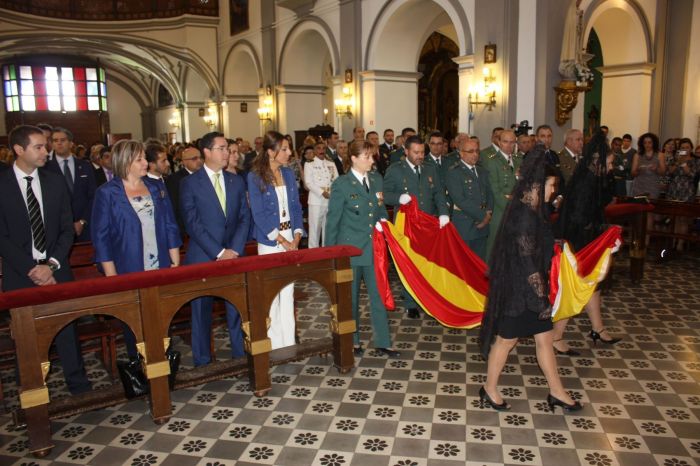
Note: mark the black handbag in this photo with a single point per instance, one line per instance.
(173, 358)
(133, 379)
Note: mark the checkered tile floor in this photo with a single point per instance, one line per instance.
(641, 397)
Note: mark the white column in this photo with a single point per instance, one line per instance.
(300, 107)
(527, 35)
(626, 103)
(466, 79)
(389, 100)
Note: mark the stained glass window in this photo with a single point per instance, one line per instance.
(52, 88)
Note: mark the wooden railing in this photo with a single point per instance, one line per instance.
(147, 302)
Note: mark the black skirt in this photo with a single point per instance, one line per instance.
(524, 325)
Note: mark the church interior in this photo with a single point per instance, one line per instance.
(174, 70)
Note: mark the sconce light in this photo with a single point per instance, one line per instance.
(174, 120)
(265, 111)
(325, 116)
(489, 93)
(210, 119)
(345, 105)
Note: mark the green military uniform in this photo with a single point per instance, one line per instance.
(352, 214)
(567, 165)
(485, 154)
(401, 179)
(502, 179)
(446, 163)
(472, 198)
(396, 156)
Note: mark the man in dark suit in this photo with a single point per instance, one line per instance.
(80, 180)
(217, 219)
(332, 152)
(250, 156)
(410, 176)
(191, 162)
(36, 235)
(386, 148)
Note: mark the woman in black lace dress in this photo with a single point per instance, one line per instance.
(518, 304)
(582, 219)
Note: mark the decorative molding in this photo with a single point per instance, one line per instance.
(111, 11)
(627, 69)
(300, 89)
(391, 76)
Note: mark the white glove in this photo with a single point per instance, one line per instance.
(404, 199)
(444, 220)
(378, 226)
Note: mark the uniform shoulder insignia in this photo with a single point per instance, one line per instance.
(453, 166)
(493, 155)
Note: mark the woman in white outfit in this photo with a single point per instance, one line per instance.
(278, 224)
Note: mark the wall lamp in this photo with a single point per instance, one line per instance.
(174, 120)
(488, 94)
(345, 105)
(265, 111)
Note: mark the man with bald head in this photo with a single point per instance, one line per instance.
(191, 162)
(470, 192)
(503, 166)
(570, 154)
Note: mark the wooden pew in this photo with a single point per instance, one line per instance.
(148, 301)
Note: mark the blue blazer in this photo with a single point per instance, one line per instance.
(265, 208)
(116, 228)
(209, 229)
(84, 186)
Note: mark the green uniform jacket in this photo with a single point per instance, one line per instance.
(352, 213)
(445, 164)
(502, 179)
(472, 198)
(430, 193)
(486, 153)
(396, 156)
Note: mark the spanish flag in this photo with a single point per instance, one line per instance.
(441, 273)
(449, 281)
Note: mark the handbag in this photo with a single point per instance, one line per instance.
(133, 379)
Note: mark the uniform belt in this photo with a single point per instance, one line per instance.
(286, 225)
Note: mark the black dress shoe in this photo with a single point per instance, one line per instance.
(595, 336)
(568, 352)
(498, 407)
(389, 352)
(358, 350)
(413, 313)
(552, 402)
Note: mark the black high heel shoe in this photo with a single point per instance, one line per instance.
(552, 402)
(568, 352)
(498, 407)
(595, 336)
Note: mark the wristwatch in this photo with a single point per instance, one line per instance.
(82, 222)
(52, 265)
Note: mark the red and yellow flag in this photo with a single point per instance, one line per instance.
(449, 281)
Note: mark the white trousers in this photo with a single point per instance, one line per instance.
(317, 224)
(282, 323)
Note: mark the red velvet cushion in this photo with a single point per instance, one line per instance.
(131, 281)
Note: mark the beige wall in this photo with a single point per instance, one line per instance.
(124, 111)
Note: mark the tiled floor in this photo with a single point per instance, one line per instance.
(641, 397)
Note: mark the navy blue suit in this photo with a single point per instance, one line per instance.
(210, 232)
(117, 235)
(83, 193)
(265, 208)
(17, 259)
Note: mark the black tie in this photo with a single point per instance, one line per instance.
(364, 183)
(35, 220)
(417, 168)
(67, 175)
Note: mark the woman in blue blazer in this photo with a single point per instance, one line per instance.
(278, 224)
(133, 225)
